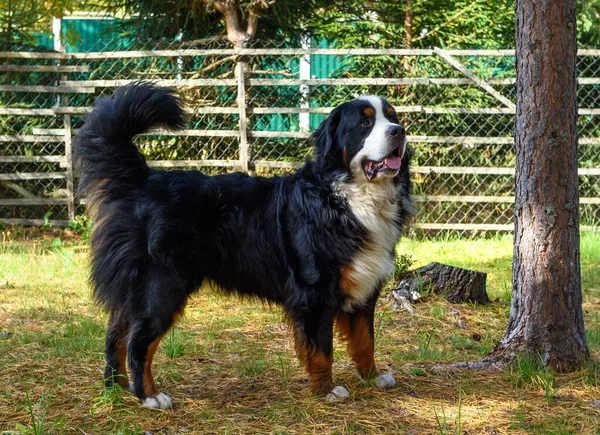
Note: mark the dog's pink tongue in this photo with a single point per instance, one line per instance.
(392, 162)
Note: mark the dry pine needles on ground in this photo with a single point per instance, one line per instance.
(230, 367)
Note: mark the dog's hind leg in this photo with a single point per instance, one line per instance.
(145, 337)
(116, 355)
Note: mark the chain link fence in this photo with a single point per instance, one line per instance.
(457, 106)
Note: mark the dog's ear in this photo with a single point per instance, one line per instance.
(324, 136)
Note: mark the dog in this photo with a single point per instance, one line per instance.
(319, 242)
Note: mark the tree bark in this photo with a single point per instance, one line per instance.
(456, 284)
(546, 316)
(237, 33)
(408, 24)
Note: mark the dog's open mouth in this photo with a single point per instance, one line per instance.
(390, 164)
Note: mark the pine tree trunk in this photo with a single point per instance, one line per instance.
(546, 315)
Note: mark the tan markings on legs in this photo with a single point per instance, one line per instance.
(121, 365)
(318, 366)
(149, 386)
(361, 346)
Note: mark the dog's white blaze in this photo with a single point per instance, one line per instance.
(376, 207)
(376, 144)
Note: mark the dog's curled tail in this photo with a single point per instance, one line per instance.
(104, 152)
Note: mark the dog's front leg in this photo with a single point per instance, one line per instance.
(313, 338)
(357, 329)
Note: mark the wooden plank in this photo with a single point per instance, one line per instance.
(290, 110)
(30, 138)
(588, 52)
(589, 201)
(266, 51)
(158, 82)
(69, 164)
(466, 111)
(277, 165)
(480, 82)
(484, 170)
(357, 81)
(35, 222)
(18, 188)
(211, 110)
(33, 201)
(48, 89)
(283, 134)
(32, 176)
(46, 68)
(484, 199)
(483, 53)
(107, 55)
(468, 227)
(193, 163)
(465, 198)
(414, 81)
(483, 227)
(244, 152)
(467, 140)
(399, 109)
(45, 112)
(584, 111)
(193, 133)
(49, 131)
(32, 159)
(588, 80)
(324, 110)
(462, 170)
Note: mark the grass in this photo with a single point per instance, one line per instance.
(230, 368)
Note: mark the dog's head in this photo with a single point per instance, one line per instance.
(363, 137)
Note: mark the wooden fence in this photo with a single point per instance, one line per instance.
(45, 115)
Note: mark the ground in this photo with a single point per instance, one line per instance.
(229, 365)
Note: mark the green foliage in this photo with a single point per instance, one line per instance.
(47, 216)
(173, 345)
(402, 264)
(442, 422)
(21, 20)
(109, 396)
(354, 23)
(588, 17)
(38, 414)
(82, 226)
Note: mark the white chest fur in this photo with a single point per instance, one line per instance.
(375, 205)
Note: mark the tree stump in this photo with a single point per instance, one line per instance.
(455, 284)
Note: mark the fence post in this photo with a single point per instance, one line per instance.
(64, 101)
(240, 72)
(69, 162)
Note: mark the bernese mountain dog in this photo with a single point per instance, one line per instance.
(319, 242)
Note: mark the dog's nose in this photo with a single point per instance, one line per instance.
(395, 130)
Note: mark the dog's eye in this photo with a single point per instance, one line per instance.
(366, 123)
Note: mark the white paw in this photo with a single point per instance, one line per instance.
(385, 381)
(161, 401)
(337, 393)
(131, 388)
